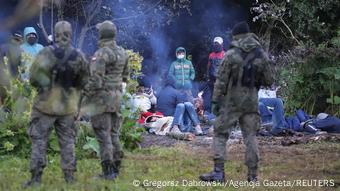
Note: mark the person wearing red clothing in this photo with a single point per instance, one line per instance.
(147, 114)
(215, 59)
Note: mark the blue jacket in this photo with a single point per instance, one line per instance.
(183, 72)
(167, 100)
(29, 51)
(34, 49)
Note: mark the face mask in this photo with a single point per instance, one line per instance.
(31, 40)
(217, 47)
(180, 56)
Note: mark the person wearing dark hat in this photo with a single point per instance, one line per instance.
(244, 69)
(10, 59)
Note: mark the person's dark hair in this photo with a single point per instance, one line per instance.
(240, 28)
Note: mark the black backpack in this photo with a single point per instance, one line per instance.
(63, 73)
(249, 75)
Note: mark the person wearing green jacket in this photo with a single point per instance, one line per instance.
(182, 71)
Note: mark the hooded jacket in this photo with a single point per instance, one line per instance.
(29, 52)
(183, 71)
(34, 49)
(229, 88)
(168, 98)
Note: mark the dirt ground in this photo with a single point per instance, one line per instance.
(304, 157)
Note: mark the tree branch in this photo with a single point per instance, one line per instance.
(86, 28)
(41, 22)
(290, 31)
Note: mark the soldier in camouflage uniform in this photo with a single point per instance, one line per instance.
(58, 73)
(244, 69)
(109, 70)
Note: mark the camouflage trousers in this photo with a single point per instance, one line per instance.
(249, 123)
(106, 126)
(39, 131)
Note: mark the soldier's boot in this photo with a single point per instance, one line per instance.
(69, 176)
(252, 175)
(35, 178)
(109, 170)
(117, 165)
(216, 175)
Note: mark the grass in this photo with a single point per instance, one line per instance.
(158, 168)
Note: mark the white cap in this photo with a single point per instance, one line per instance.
(218, 39)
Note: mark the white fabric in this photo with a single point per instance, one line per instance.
(141, 102)
(162, 125)
(218, 40)
(153, 100)
(263, 93)
(180, 56)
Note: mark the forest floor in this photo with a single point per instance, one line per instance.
(287, 163)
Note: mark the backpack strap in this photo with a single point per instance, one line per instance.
(247, 62)
(62, 56)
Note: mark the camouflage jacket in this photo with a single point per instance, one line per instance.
(58, 92)
(229, 86)
(108, 69)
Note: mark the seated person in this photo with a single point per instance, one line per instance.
(172, 102)
(144, 99)
(268, 99)
(204, 116)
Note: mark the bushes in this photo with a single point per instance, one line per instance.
(306, 37)
(312, 79)
(15, 118)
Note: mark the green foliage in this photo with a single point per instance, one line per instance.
(92, 144)
(135, 66)
(130, 133)
(313, 83)
(305, 37)
(315, 21)
(303, 22)
(15, 117)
